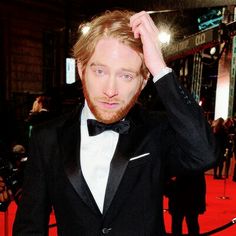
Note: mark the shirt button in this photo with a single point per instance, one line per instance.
(106, 230)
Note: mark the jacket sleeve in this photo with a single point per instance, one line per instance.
(32, 216)
(191, 145)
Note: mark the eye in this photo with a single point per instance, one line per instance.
(99, 72)
(127, 77)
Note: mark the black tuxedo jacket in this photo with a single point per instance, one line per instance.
(156, 144)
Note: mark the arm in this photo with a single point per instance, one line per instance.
(192, 146)
(192, 141)
(33, 211)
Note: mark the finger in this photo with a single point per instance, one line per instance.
(141, 32)
(138, 28)
(1, 179)
(142, 17)
(144, 21)
(135, 22)
(136, 16)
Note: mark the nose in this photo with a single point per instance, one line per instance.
(110, 88)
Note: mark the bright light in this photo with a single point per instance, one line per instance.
(164, 37)
(70, 70)
(85, 29)
(213, 50)
(222, 93)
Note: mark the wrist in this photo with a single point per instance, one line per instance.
(164, 71)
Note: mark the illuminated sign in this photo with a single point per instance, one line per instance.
(70, 70)
(193, 42)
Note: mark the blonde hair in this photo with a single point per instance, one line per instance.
(115, 24)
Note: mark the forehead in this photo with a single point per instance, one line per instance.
(112, 52)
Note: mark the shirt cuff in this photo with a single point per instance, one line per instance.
(161, 74)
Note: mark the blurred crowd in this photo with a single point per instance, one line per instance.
(224, 131)
(13, 150)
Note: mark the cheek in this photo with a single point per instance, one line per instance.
(93, 86)
(129, 93)
(89, 81)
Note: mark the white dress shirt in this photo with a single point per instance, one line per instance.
(96, 153)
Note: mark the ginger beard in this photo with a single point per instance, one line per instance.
(108, 116)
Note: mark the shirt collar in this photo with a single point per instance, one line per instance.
(86, 114)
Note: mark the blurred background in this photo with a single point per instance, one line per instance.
(36, 38)
(198, 39)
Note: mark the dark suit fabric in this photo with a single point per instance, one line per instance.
(38, 117)
(180, 141)
(187, 198)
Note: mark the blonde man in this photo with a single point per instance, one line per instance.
(101, 168)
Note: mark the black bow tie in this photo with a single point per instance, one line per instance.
(95, 127)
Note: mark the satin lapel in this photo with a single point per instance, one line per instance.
(69, 139)
(117, 169)
(126, 147)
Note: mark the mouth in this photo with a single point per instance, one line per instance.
(112, 105)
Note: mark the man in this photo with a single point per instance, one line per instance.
(187, 200)
(40, 112)
(107, 182)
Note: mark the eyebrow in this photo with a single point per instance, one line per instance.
(136, 73)
(96, 64)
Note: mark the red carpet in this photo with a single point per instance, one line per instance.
(221, 207)
(219, 212)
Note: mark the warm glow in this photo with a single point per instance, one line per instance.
(222, 96)
(222, 88)
(70, 70)
(85, 29)
(213, 50)
(164, 37)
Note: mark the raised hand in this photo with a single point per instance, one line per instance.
(144, 27)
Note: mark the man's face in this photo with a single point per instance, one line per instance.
(111, 80)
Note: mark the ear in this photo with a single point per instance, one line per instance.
(80, 70)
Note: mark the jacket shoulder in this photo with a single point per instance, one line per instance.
(65, 119)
